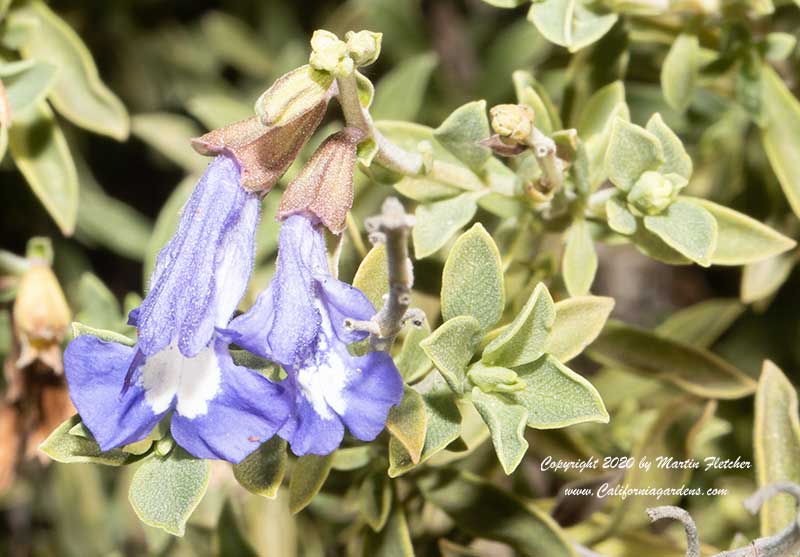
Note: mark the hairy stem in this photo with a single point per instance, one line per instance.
(786, 542)
(391, 228)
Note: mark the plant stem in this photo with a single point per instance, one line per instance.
(391, 228)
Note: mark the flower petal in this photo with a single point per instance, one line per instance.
(282, 329)
(342, 301)
(247, 410)
(95, 371)
(370, 394)
(185, 301)
(309, 433)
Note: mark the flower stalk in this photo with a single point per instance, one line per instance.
(391, 228)
(785, 542)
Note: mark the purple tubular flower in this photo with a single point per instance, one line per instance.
(180, 363)
(298, 321)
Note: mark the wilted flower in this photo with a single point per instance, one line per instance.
(298, 322)
(323, 191)
(179, 363)
(41, 316)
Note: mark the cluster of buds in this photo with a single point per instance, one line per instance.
(340, 58)
(654, 192)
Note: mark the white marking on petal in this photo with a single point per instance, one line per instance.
(324, 375)
(194, 381)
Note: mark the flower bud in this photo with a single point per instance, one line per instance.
(653, 192)
(512, 121)
(495, 379)
(263, 153)
(364, 47)
(323, 191)
(41, 316)
(330, 54)
(293, 95)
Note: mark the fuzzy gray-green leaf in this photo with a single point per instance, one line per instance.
(437, 222)
(524, 339)
(62, 446)
(506, 422)
(462, 131)
(308, 476)
(451, 347)
(578, 322)
(165, 491)
(472, 280)
(687, 228)
(632, 151)
(680, 71)
(579, 263)
(263, 470)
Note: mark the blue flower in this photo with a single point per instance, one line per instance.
(180, 363)
(298, 322)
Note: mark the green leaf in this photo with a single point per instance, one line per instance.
(437, 222)
(394, 540)
(372, 275)
(461, 132)
(763, 279)
(308, 475)
(688, 229)
(692, 369)
(620, 219)
(375, 499)
(524, 339)
(165, 491)
(79, 329)
(231, 540)
(632, 151)
(169, 135)
(27, 83)
(451, 347)
(780, 134)
(412, 362)
(701, 324)
(444, 427)
(131, 230)
(400, 92)
(96, 304)
(776, 445)
(408, 422)
(741, 239)
(597, 115)
(680, 71)
(578, 322)
(62, 446)
(506, 423)
(41, 153)
(570, 23)
(78, 93)
(676, 160)
(579, 263)
(263, 470)
(425, 190)
(472, 280)
(484, 510)
(352, 458)
(555, 396)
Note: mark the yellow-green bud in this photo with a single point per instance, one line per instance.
(512, 121)
(653, 192)
(495, 379)
(364, 47)
(329, 54)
